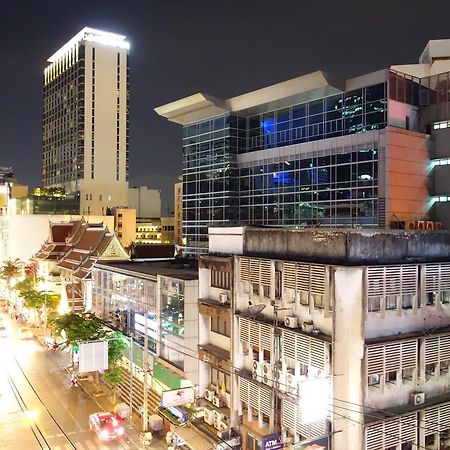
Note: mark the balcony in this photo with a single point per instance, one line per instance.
(213, 308)
(215, 356)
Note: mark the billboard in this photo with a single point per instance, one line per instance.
(272, 442)
(177, 397)
(93, 356)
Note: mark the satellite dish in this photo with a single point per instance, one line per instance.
(253, 310)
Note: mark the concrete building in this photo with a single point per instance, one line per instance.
(125, 225)
(178, 203)
(333, 338)
(167, 230)
(85, 120)
(146, 202)
(10, 188)
(369, 152)
(157, 298)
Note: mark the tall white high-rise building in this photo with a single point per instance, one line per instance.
(85, 114)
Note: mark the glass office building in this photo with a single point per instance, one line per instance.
(313, 152)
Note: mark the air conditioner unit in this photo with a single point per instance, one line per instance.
(429, 225)
(217, 401)
(223, 297)
(223, 426)
(209, 395)
(279, 377)
(420, 225)
(217, 424)
(209, 416)
(291, 384)
(217, 416)
(256, 370)
(267, 376)
(291, 321)
(417, 398)
(308, 327)
(438, 225)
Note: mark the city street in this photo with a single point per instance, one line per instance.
(38, 408)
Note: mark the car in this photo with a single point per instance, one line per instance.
(25, 333)
(3, 331)
(106, 425)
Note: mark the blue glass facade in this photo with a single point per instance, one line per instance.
(335, 190)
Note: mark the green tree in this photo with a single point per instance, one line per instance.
(79, 328)
(9, 271)
(117, 345)
(38, 301)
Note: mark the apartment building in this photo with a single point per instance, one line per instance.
(325, 338)
(370, 151)
(85, 120)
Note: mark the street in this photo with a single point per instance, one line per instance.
(38, 408)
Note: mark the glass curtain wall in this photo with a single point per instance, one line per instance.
(172, 321)
(124, 301)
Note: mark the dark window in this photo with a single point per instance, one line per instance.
(220, 279)
(220, 326)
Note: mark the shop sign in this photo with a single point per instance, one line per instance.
(272, 442)
(177, 397)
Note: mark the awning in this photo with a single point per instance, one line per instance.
(194, 439)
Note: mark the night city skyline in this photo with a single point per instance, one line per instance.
(222, 51)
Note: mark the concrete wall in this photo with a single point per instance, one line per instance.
(407, 164)
(96, 197)
(346, 246)
(348, 354)
(146, 202)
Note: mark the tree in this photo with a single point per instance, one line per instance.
(117, 344)
(38, 301)
(79, 327)
(11, 270)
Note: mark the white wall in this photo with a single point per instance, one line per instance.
(146, 202)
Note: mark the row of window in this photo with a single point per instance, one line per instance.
(406, 301)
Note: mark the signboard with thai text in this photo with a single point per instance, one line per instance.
(177, 397)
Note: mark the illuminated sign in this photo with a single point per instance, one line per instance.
(272, 442)
(177, 397)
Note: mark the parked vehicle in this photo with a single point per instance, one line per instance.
(106, 425)
(25, 333)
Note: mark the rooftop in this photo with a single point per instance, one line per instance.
(333, 246)
(182, 269)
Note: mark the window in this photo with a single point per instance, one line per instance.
(100, 197)
(255, 288)
(303, 369)
(391, 377)
(374, 380)
(278, 284)
(391, 302)
(431, 298)
(445, 297)
(373, 304)
(266, 291)
(218, 377)
(220, 279)
(304, 298)
(430, 370)
(318, 300)
(220, 326)
(408, 374)
(407, 301)
(444, 365)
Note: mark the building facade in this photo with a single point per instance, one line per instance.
(314, 152)
(85, 120)
(157, 299)
(178, 203)
(324, 337)
(146, 202)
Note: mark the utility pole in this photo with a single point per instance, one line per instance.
(145, 364)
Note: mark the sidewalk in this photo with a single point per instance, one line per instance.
(100, 394)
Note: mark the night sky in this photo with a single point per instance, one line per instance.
(180, 47)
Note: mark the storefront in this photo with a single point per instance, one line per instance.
(256, 438)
